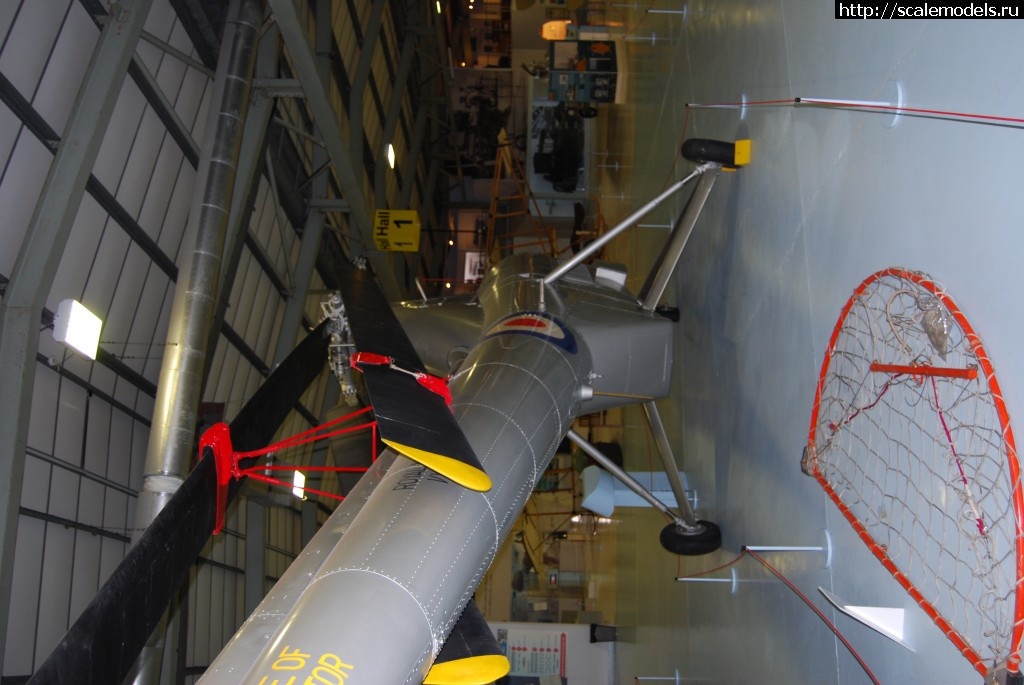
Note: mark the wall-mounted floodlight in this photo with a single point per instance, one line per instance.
(391, 155)
(77, 327)
(299, 484)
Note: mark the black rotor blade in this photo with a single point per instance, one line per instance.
(375, 328)
(101, 646)
(411, 418)
(470, 654)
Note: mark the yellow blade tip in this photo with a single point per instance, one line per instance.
(458, 471)
(474, 670)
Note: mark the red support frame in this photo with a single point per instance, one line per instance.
(227, 459)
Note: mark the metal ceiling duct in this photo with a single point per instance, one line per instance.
(172, 435)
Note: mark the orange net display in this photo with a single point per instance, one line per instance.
(910, 438)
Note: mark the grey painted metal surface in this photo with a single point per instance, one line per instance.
(380, 606)
(235, 661)
(443, 332)
(631, 352)
(39, 257)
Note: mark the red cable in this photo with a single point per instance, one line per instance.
(311, 435)
(836, 426)
(816, 610)
(802, 596)
(895, 109)
(959, 465)
(304, 437)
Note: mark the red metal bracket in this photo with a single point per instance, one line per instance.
(218, 438)
(435, 384)
(227, 462)
(371, 358)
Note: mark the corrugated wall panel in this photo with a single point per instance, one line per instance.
(240, 290)
(10, 129)
(19, 654)
(170, 231)
(115, 510)
(66, 65)
(85, 579)
(70, 423)
(28, 43)
(130, 314)
(90, 506)
(71, 276)
(55, 585)
(111, 554)
(223, 366)
(63, 497)
(120, 135)
(97, 446)
(265, 303)
(140, 440)
(199, 613)
(8, 11)
(165, 181)
(36, 486)
(154, 303)
(23, 176)
(117, 465)
(137, 175)
(41, 421)
(242, 386)
(103, 278)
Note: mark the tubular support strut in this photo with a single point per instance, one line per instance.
(631, 482)
(592, 249)
(666, 266)
(669, 463)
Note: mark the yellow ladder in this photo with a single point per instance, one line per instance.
(514, 205)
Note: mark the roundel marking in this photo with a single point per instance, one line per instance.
(537, 325)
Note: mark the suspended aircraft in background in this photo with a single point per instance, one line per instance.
(472, 397)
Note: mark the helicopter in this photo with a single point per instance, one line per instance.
(472, 397)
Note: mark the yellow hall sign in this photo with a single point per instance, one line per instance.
(396, 230)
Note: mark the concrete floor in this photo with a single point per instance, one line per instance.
(831, 197)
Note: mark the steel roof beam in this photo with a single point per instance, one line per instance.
(303, 61)
(39, 258)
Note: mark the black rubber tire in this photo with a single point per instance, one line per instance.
(678, 541)
(705, 150)
(588, 112)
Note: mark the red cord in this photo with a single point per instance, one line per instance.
(310, 435)
(894, 109)
(802, 596)
(816, 610)
(959, 465)
(227, 459)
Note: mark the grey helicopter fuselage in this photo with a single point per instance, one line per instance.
(375, 594)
